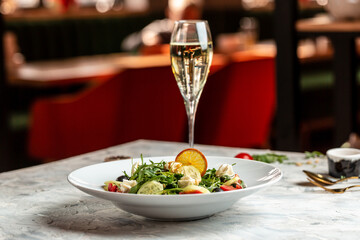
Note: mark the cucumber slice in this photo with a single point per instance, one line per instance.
(151, 187)
(193, 172)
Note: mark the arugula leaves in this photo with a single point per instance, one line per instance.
(211, 181)
(154, 171)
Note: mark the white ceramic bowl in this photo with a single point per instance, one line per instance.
(344, 162)
(256, 175)
(344, 9)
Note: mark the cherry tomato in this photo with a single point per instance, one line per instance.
(227, 188)
(112, 187)
(244, 156)
(192, 192)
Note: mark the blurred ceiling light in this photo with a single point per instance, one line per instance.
(104, 5)
(250, 4)
(179, 5)
(7, 7)
(27, 3)
(322, 2)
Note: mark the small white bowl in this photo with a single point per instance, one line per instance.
(344, 9)
(344, 162)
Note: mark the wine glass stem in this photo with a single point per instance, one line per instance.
(191, 111)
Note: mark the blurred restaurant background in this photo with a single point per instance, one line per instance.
(69, 85)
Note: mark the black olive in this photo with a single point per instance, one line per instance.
(121, 178)
(234, 185)
(218, 190)
(224, 178)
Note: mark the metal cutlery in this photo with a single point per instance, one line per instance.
(324, 180)
(334, 190)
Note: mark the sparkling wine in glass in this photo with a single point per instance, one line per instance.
(191, 51)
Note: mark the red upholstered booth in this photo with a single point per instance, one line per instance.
(236, 109)
(136, 104)
(237, 105)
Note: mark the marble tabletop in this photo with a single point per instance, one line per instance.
(39, 203)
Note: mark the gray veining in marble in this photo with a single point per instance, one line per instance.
(39, 203)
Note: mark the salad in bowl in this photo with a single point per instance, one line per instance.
(186, 175)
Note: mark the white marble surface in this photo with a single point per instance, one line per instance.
(39, 203)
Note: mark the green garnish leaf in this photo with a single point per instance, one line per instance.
(270, 157)
(313, 154)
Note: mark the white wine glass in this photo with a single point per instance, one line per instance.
(191, 51)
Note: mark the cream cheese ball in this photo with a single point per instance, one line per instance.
(225, 169)
(126, 185)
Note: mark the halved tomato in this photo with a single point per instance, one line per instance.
(244, 156)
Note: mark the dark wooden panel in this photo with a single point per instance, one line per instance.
(5, 160)
(287, 70)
